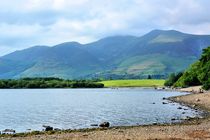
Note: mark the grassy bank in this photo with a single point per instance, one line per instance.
(133, 83)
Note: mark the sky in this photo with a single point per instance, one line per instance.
(26, 23)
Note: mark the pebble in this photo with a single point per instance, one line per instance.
(94, 125)
(154, 123)
(173, 119)
(198, 100)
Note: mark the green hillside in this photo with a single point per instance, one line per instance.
(198, 73)
(157, 53)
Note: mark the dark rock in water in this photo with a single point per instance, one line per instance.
(57, 129)
(183, 112)
(154, 123)
(94, 125)
(189, 118)
(153, 103)
(173, 119)
(164, 98)
(47, 128)
(8, 131)
(164, 103)
(105, 124)
(179, 108)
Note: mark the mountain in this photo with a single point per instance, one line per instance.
(158, 53)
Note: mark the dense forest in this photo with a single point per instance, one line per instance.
(197, 74)
(48, 83)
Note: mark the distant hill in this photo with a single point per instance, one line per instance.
(157, 53)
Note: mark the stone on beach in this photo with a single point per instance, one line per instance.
(105, 124)
(198, 100)
(47, 128)
(8, 131)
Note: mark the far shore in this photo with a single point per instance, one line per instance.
(193, 128)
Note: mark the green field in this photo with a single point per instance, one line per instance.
(133, 83)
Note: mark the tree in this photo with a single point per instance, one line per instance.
(173, 79)
(149, 77)
(198, 73)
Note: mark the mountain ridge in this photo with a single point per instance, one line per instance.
(158, 52)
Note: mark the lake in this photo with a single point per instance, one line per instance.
(23, 109)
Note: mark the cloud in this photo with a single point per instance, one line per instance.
(25, 23)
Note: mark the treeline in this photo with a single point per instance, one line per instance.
(48, 83)
(110, 76)
(197, 74)
(173, 78)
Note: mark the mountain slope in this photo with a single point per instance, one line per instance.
(64, 60)
(156, 53)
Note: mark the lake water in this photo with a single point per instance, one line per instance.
(23, 109)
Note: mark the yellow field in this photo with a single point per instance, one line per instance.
(133, 83)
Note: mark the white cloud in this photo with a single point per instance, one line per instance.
(24, 23)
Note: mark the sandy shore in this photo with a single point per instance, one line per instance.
(196, 129)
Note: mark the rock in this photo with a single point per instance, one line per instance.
(57, 129)
(193, 106)
(153, 103)
(164, 103)
(189, 118)
(94, 125)
(198, 100)
(164, 98)
(173, 119)
(105, 124)
(47, 128)
(183, 112)
(159, 88)
(201, 90)
(8, 131)
(179, 108)
(154, 123)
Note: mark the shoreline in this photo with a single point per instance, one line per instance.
(151, 131)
